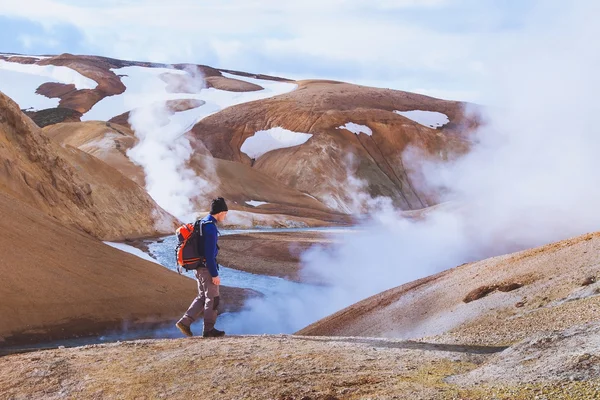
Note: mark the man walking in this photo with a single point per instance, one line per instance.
(207, 276)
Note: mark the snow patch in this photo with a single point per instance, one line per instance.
(145, 87)
(139, 83)
(268, 140)
(430, 119)
(255, 203)
(356, 128)
(20, 81)
(131, 250)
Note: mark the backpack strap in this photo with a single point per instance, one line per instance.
(200, 223)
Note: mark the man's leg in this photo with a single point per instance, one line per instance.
(211, 302)
(194, 311)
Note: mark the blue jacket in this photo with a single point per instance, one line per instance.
(211, 250)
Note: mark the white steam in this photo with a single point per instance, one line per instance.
(532, 177)
(164, 151)
(350, 195)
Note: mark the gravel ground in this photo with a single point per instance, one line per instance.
(265, 367)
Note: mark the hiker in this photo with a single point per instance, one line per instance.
(207, 275)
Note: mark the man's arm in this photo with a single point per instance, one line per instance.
(210, 248)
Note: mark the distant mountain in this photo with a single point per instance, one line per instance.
(341, 120)
(284, 153)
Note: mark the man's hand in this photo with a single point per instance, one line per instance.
(216, 280)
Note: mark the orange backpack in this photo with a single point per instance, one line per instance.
(190, 247)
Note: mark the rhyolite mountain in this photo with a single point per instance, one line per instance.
(357, 136)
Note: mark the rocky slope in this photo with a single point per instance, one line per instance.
(497, 301)
(72, 186)
(106, 141)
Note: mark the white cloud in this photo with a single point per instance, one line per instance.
(351, 40)
(400, 4)
(29, 41)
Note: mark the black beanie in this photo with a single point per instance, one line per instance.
(218, 205)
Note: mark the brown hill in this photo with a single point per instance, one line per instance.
(72, 186)
(318, 167)
(110, 141)
(237, 182)
(106, 141)
(82, 100)
(57, 282)
(496, 301)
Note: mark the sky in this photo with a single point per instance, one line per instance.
(435, 47)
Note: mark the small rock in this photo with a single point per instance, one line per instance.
(478, 293)
(588, 281)
(509, 287)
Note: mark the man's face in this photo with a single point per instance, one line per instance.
(220, 217)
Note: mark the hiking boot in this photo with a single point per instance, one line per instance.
(184, 329)
(213, 333)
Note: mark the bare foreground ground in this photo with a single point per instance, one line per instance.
(267, 367)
